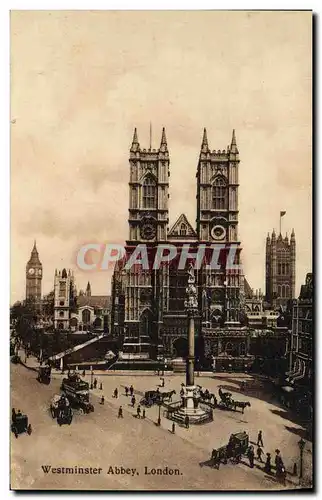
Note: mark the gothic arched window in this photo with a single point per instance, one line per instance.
(229, 348)
(86, 317)
(183, 229)
(146, 323)
(242, 349)
(219, 193)
(149, 192)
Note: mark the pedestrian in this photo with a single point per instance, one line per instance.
(120, 414)
(116, 392)
(268, 465)
(259, 453)
(250, 455)
(95, 383)
(126, 391)
(102, 400)
(91, 386)
(260, 439)
(101, 386)
(131, 390)
(143, 414)
(133, 401)
(138, 412)
(173, 427)
(84, 373)
(295, 469)
(186, 421)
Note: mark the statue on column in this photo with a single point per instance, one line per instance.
(191, 301)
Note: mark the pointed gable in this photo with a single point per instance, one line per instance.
(182, 229)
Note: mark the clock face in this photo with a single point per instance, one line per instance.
(218, 232)
(31, 271)
(148, 231)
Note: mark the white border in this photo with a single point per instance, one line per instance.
(5, 7)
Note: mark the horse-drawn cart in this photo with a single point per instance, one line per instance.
(20, 424)
(237, 446)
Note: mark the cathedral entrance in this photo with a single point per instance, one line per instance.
(180, 347)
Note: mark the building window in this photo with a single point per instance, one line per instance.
(242, 349)
(149, 193)
(62, 288)
(61, 313)
(183, 230)
(62, 303)
(219, 194)
(86, 317)
(229, 348)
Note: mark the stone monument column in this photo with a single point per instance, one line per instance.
(190, 373)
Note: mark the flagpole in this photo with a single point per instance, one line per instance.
(280, 223)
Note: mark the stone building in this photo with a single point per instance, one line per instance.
(64, 298)
(280, 269)
(34, 276)
(148, 305)
(82, 313)
(92, 313)
(300, 375)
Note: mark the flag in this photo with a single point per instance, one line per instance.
(282, 214)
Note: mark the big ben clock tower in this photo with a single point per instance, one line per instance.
(34, 276)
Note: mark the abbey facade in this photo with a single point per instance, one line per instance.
(148, 304)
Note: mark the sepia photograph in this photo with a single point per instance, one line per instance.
(161, 281)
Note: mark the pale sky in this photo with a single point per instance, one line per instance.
(81, 81)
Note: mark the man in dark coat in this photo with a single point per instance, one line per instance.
(120, 414)
(268, 465)
(260, 439)
(259, 453)
(131, 390)
(250, 455)
(133, 401)
(186, 421)
(138, 411)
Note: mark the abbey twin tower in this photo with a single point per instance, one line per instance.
(148, 304)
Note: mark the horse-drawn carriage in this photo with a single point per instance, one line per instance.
(44, 374)
(237, 446)
(15, 359)
(19, 423)
(227, 403)
(156, 397)
(61, 410)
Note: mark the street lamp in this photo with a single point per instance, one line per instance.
(301, 444)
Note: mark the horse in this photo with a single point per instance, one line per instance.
(241, 404)
(208, 396)
(167, 395)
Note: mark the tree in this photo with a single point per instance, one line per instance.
(48, 305)
(25, 316)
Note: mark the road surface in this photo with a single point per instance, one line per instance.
(101, 452)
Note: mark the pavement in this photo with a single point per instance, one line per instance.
(104, 439)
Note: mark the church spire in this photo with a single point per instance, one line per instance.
(135, 143)
(88, 289)
(163, 145)
(204, 144)
(233, 146)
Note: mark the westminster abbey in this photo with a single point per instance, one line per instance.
(148, 304)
